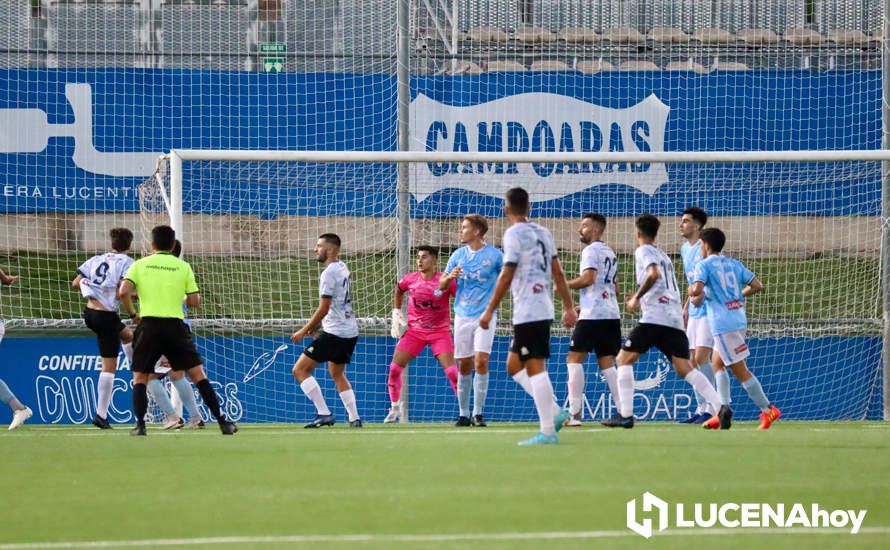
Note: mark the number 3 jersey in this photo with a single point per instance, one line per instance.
(661, 305)
(531, 249)
(598, 300)
(334, 283)
(101, 276)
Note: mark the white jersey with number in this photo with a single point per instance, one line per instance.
(101, 276)
(531, 249)
(334, 284)
(661, 304)
(598, 301)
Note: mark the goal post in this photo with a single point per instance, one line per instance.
(249, 219)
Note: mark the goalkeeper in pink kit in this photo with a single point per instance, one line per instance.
(429, 323)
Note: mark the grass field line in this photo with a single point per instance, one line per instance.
(211, 430)
(420, 538)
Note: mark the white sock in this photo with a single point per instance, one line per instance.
(103, 393)
(128, 351)
(543, 394)
(348, 399)
(464, 384)
(611, 376)
(625, 380)
(522, 379)
(575, 387)
(480, 392)
(723, 385)
(312, 390)
(699, 383)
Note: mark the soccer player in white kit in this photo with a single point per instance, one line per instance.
(599, 323)
(475, 266)
(337, 339)
(20, 412)
(98, 280)
(530, 263)
(661, 326)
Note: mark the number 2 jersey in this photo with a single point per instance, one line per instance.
(530, 248)
(101, 276)
(661, 305)
(598, 300)
(333, 283)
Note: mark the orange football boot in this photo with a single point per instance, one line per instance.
(767, 419)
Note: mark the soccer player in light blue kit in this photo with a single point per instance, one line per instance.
(20, 412)
(476, 266)
(698, 332)
(723, 284)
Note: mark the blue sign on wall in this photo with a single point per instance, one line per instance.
(808, 378)
(82, 139)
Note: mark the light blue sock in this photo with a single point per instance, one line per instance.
(464, 383)
(187, 396)
(723, 386)
(6, 394)
(159, 394)
(755, 392)
(708, 371)
(480, 392)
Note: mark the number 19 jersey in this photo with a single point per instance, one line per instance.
(531, 249)
(661, 305)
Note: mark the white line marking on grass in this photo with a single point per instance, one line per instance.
(456, 537)
(289, 433)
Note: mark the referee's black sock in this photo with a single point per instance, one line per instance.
(209, 397)
(140, 402)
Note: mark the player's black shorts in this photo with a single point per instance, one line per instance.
(156, 336)
(108, 326)
(670, 341)
(531, 340)
(602, 336)
(328, 347)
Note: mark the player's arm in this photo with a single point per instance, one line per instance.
(569, 317)
(752, 288)
(449, 276)
(586, 279)
(125, 293)
(324, 305)
(500, 289)
(193, 299)
(8, 279)
(652, 276)
(696, 293)
(76, 282)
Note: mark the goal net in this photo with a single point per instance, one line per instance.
(249, 228)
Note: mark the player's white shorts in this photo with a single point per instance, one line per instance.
(731, 347)
(162, 366)
(698, 332)
(469, 338)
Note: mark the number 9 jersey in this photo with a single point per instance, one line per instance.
(530, 248)
(101, 276)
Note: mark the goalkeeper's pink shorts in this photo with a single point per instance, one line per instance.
(413, 341)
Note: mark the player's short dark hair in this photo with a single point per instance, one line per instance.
(478, 222)
(432, 250)
(177, 248)
(330, 238)
(648, 225)
(697, 214)
(163, 237)
(596, 218)
(121, 239)
(517, 201)
(715, 238)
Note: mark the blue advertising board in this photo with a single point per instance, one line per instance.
(82, 139)
(808, 378)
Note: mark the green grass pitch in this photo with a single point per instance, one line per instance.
(429, 486)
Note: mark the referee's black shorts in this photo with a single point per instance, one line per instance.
(108, 326)
(157, 336)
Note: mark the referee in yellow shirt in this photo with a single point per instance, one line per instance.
(161, 280)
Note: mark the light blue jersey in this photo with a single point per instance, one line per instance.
(724, 278)
(476, 283)
(691, 255)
